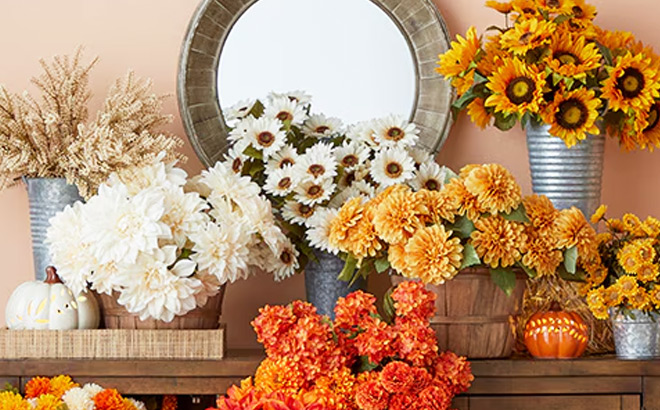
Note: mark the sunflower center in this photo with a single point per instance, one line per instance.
(572, 114)
(395, 134)
(432, 185)
(284, 183)
(265, 139)
(286, 258)
(284, 116)
(322, 129)
(236, 165)
(525, 38)
(565, 57)
(654, 116)
(314, 191)
(316, 169)
(305, 210)
(520, 90)
(393, 170)
(577, 11)
(630, 83)
(286, 162)
(553, 3)
(528, 10)
(349, 160)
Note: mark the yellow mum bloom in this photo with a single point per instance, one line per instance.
(599, 214)
(647, 272)
(572, 115)
(437, 204)
(458, 58)
(495, 188)
(629, 258)
(633, 225)
(498, 241)
(434, 256)
(541, 213)
(651, 227)
(398, 259)
(527, 34)
(517, 88)
(540, 256)
(640, 299)
(12, 401)
(478, 114)
(654, 296)
(364, 242)
(343, 226)
(48, 402)
(398, 217)
(464, 202)
(61, 384)
(572, 229)
(632, 85)
(627, 285)
(504, 8)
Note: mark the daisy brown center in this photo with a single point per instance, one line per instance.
(322, 129)
(654, 116)
(286, 257)
(265, 139)
(305, 210)
(236, 165)
(395, 134)
(520, 90)
(314, 191)
(286, 162)
(572, 114)
(285, 183)
(432, 185)
(393, 170)
(349, 160)
(284, 116)
(316, 169)
(565, 57)
(630, 83)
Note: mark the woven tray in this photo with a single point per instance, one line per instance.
(175, 344)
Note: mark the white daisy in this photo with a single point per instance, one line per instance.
(223, 250)
(299, 96)
(351, 154)
(238, 135)
(265, 134)
(318, 125)
(359, 173)
(363, 133)
(285, 157)
(392, 166)
(78, 398)
(319, 229)
(282, 264)
(138, 404)
(239, 110)
(280, 181)
(184, 214)
(313, 192)
(297, 213)
(395, 131)
(420, 156)
(317, 163)
(430, 176)
(224, 185)
(235, 159)
(364, 188)
(285, 110)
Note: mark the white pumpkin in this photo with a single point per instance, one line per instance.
(50, 305)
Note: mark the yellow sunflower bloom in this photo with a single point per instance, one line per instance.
(461, 54)
(615, 40)
(632, 84)
(539, 255)
(613, 295)
(541, 213)
(599, 214)
(526, 8)
(595, 297)
(517, 88)
(582, 12)
(460, 199)
(504, 8)
(654, 296)
(627, 285)
(651, 227)
(615, 225)
(596, 272)
(647, 272)
(463, 83)
(557, 6)
(572, 56)
(495, 188)
(572, 115)
(603, 238)
(629, 258)
(399, 216)
(493, 56)
(572, 229)
(498, 241)
(646, 249)
(649, 135)
(526, 35)
(478, 114)
(434, 256)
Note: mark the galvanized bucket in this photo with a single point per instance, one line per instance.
(322, 286)
(567, 176)
(47, 196)
(636, 336)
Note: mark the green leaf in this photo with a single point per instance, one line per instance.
(10, 388)
(257, 109)
(524, 120)
(562, 18)
(505, 122)
(478, 78)
(366, 365)
(349, 269)
(449, 174)
(252, 152)
(388, 305)
(470, 257)
(504, 278)
(578, 276)
(529, 271)
(570, 259)
(569, 82)
(464, 100)
(382, 265)
(463, 227)
(606, 52)
(366, 267)
(517, 215)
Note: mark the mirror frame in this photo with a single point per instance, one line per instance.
(419, 21)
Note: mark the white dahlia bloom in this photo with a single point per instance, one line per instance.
(93, 389)
(224, 185)
(155, 175)
(223, 251)
(78, 398)
(184, 214)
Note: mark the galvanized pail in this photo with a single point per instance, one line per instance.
(635, 335)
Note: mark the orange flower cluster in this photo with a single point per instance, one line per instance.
(358, 361)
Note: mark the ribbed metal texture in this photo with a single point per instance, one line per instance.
(567, 176)
(48, 196)
(635, 339)
(322, 286)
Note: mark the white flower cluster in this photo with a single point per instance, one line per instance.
(82, 398)
(166, 244)
(312, 164)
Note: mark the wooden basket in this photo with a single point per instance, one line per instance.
(115, 316)
(474, 317)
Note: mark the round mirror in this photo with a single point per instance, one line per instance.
(358, 59)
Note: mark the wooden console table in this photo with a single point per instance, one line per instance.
(513, 384)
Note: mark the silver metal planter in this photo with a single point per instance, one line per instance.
(322, 286)
(635, 338)
(47, 196)
(567, 176)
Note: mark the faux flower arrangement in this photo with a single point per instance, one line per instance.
(358, 361)
(555, 66)
(478, 218)
(625, 276)
(166, 243)
(60, 392)
(51, 138)
(308, 164)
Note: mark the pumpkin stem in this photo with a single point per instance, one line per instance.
(51, 275)
(555, 307)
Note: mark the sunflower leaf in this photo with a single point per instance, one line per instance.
(529, 271)
(562, 18)
(449, 174)
(470, 257)
(504, 278)
(517, 215)
(505, 122)
(569, 81)
(478, 78)
(606, 52)
(382, 265)
(349, 269)
(463, 227)
(570, 259)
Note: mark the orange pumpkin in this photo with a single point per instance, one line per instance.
(556, 334)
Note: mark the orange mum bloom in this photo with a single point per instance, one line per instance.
(282, 374)
(540, 256)
(354, 309)
(416, 342)
(497, 241)
(61, 384)
(397, 378)
(411, 299)
(371, 396)
(439, 207)
(109, 399)
(495, 188)
(434, 255)
(36, 387)
(434, 397)
(455, 371)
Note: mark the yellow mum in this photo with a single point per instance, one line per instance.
(540, 256)
(517, 88)
(398, 259)
(498, 241)
(48, 402)
(572, 115)
(629, 258)
(462, 200)
(398, 217)
(627, 285)
(495, 188)
(343, 226)
(572, 229)
(12, 401)
(439, 207)
(599, 214)
(647, 272)
(541, 213)
(434, 256)
(61, 384)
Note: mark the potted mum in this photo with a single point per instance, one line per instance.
(475, 234)
(308, 165)
(623, 284)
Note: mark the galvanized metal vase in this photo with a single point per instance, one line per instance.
(567, 176)
(47, 196)
(636, 337)
(322, 286)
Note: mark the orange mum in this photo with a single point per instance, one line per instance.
(109, 399)
(397, 378)
(36, 387)
(495, 188)
(344, 224)
(462, 200)
(398, 217)
(498, 241)
(434, 255)
(282, 374)
(371, 396)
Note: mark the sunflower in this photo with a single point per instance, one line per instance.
(583, 13)
(504, 8)
(398, 217)
(461, 54)
(599, 214)
(629, 258)
(463, 83)
(613, 295)
(651, 226)
(572, 115)
(596, 272)
(517, 88)
(498, 241)
(557, 6)
(460, 199)
(434, 256)
(495, 188)
(344, 223)
(478, 113)
(526, 35)
(526, 8)
(572, 229)
(640, 299)
(439, 206)
(492, 57)
(615, 225)
(615, 40)
(646, 249)
(539, 255)
(603, 238)
(650, 131)
(632, 84)
(647, 272)
(595, 297)
(627, 285)
(572, 56)
(654, 295)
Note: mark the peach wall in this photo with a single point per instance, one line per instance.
(146, 35)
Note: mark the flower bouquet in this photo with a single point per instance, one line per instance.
(553, 65)
(358, 361)
(164, 243)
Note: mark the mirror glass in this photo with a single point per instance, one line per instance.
(347, 54)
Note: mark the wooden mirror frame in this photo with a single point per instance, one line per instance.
(419, 21)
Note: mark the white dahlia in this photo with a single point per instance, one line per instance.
(314, 192)
(223, 251)
(210, 287)
(318, 125)
(285, 110)
(317, 163)
(239, 110)
(78, 398)
(392, 166)
(285, 157)
(280, 181)
(297, 213)
(224, 184)
(430, 176)
(155, 175)
(319, 229)
(395, 131)
(184, 214)
(265, 134)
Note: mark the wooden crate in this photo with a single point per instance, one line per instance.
(171, 344)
